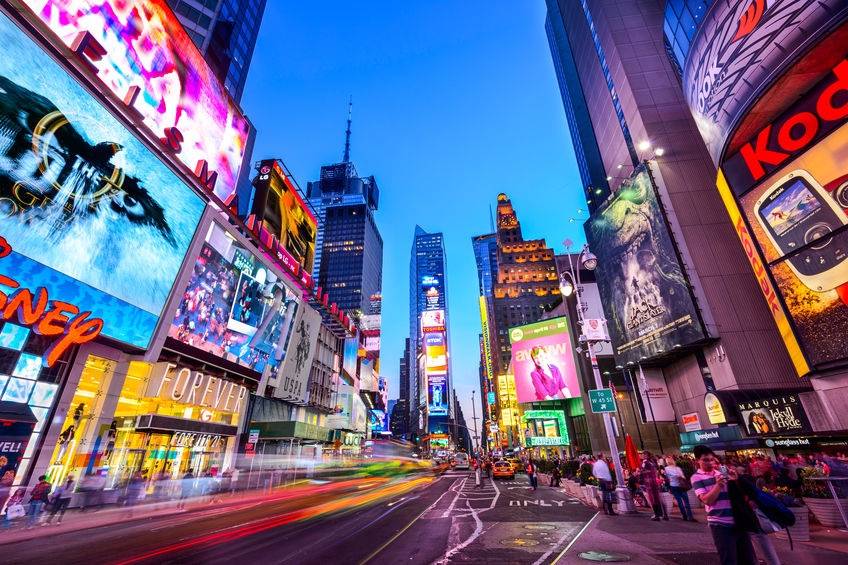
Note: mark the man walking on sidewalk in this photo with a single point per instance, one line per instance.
(601, 471)
(711, 484)
(530, 469)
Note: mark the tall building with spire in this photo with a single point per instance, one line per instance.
(348, 247)
(525, 285)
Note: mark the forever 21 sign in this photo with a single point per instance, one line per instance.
(181, 384)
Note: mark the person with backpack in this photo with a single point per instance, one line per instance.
(730, 525)
(771, 516)
(530, 469)
(37, 499)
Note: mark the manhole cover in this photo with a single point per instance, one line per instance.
(606, 556)
(519, 542)
(540, 527)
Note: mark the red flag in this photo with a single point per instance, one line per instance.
(631, 453)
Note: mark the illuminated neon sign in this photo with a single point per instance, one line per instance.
(138, 51)
(49, 318)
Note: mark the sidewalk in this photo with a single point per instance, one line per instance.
(675, 541)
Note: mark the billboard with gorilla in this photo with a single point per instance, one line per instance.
(91, 213)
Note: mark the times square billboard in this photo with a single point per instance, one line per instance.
(137, 54)
(785, 185)
(90, 214)
(646, 295)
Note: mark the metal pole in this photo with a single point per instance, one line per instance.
(625, 503)
(650, 406)
(632, 392)
(474, 417)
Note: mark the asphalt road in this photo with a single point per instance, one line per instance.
(445, 520)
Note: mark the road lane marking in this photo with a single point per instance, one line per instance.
(564, 551)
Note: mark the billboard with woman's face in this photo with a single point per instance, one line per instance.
(543, 361)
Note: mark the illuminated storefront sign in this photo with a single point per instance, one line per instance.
(139, 52)
(55, 319)
(773, 415)
(91, 213)
(545, 428)
(647, 299)
(185, 386)
(714, 408)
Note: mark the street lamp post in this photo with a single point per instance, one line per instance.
(589, 261)
(476, 445)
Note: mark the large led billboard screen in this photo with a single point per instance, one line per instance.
(432, 321)
(738, 49)
(284, 213)
(91, 213)
(234, 306)
(790, 183)
(543, 361)
(140, 53)
(435, 353)
(437, 395)
(646, 297)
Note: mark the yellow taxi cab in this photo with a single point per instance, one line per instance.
(503, 470)
(517, 466)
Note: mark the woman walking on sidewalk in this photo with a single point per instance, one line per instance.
(37, 500)
(678, 484)
(649, 477)
(61, 498)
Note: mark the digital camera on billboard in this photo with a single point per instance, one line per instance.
(799, 215)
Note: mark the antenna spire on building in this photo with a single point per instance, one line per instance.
(347, 133)
(491, 219)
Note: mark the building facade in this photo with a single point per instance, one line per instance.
(225, 31)
(349, 248)
(650, 146)
(429, 335)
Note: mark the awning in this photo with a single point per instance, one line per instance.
(168, 424)
(291, 430)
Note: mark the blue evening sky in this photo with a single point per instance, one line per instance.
(454, 102)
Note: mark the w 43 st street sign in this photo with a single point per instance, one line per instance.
(602, 400)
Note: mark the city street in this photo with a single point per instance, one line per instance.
(446, 520)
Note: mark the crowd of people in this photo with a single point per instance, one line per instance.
(45, 501)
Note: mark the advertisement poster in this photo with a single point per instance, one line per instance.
(647, 300)
(797, 216)
(656, 403)
(543, 361)
(378, 420)
(775, 415)
(14, 436)
(437, 395)
(284, 213)
(350, 360)
(145, 47)
(432, 288)
(738, 48)
(339, 419)
(294, 375)
(81, 199)
(435, 354)
(691, 422)
(433, 321)
(226, 311)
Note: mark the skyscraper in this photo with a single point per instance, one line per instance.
(348, 248)
(428, 330)
(525, 284)
(650, 144)
(403, 372)
(225, 31)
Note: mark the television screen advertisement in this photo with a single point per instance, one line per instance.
(433, 321)
(791, 214)
(284, 213)
(647, 300)
(773, 415)
(437, 395)
(147, 62)
(234, 306)
(435, 353)
(543, 361)
(91, 213)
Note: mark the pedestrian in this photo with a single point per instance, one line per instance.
(601, 471)
(650, 480)
(135, 491)
(760, 537)
(487, 462)
(186, 488)
(14, 508)
(556, 476)
(530, 469)
(37, 499)
(478, 473)
(678, 484)
(60, 499)
(727, 522)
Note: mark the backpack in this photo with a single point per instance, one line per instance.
(774, 509)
